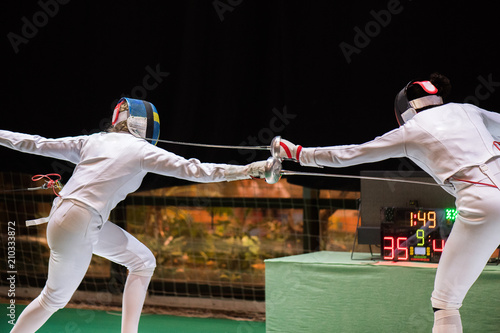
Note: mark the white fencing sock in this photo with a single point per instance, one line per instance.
(32, 318)
(447, 321)
(134, 295)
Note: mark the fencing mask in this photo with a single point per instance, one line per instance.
(406, 105)
(142, 118)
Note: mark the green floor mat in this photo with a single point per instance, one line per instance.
(81, 321)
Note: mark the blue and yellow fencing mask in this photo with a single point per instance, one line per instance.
(142, 118)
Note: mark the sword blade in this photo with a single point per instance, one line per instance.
(205, 145)
(23, 189)
(302, 173)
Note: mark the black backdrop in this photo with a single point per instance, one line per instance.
(237, 71)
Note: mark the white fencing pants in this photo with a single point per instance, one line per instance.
(474, 238)
(74, 232)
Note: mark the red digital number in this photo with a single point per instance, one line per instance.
(440, 246)
(389, 248)
(392, 245)
(402, 248)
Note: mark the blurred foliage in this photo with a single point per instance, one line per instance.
(231, 248)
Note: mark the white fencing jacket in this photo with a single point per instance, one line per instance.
(111, 165)
(442, 141)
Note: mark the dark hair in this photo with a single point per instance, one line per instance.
(441, 82)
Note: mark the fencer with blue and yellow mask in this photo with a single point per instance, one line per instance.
(141, 116)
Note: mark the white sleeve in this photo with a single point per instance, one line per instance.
(162, 162)
(389, 145)
(64, 148)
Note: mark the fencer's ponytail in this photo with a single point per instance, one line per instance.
(442, 83)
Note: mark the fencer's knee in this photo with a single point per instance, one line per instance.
(51, 300)
(147, 272)
(146, 267)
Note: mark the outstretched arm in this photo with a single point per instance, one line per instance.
(63, 148)
(159, 161)
(389, 145)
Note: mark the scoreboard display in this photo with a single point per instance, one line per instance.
(415, 234)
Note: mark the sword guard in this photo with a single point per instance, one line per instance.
(272, 170)
(275, 147)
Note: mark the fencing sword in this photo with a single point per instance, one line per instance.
(274, 147)
(273, 172)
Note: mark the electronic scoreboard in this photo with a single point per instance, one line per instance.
(415, 234)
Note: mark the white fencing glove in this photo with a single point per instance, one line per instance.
(252, 170)
(289, 151)
(256, 169)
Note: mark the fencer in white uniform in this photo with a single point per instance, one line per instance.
(109, 166)
(457, 145)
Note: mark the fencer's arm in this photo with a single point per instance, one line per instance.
(159, 161)
(389, 145)
(64, 148)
